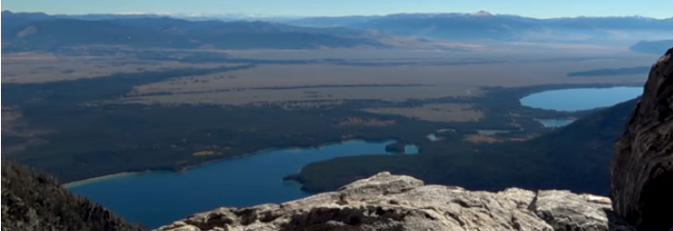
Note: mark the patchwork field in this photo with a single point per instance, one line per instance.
(394, 79)
(294, 77)
(34, 67)
(313, 78)
(434, 112)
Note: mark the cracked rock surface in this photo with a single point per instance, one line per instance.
(396, 202)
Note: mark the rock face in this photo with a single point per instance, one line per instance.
(393, 202)
(34, 201)
(642, 171)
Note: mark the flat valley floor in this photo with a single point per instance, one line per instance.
(83, 114)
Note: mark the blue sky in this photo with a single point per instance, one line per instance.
(530, 8)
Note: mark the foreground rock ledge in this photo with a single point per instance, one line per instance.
(395, 202)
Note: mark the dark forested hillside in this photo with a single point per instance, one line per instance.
(641, 70)
(34, 201)
(575, 157)
(652, 47)
(137, 137)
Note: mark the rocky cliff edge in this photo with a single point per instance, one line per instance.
(642, 169)
(395, 202)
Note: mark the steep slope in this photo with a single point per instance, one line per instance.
(642, 172)
(34, 201)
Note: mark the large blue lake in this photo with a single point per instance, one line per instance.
(581, 98)
(158, 198)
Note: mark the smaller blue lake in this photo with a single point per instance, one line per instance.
(410, 149)
(446, 130)
(554, 123)
(492, 132)
(432, 137)
(581, 98)
(158, 198)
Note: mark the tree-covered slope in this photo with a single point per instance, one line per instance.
(34, 201)
(575, 157)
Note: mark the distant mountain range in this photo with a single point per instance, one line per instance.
(186, 16)
(36, 31)
(483, 25)
(30, 31)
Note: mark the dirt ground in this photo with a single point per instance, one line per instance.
(434, 112)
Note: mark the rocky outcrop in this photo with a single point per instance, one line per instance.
(393, 202)
(642, 171)
(34, 201)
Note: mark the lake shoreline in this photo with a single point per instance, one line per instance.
(580, 99)
(518, 93)
(241, 182)
(98, 178)
(272, 149)
(204, 163)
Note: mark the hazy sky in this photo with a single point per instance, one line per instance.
(531, 8)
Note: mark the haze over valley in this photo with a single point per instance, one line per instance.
(165, 104)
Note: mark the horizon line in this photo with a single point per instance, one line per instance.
(257, 15)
